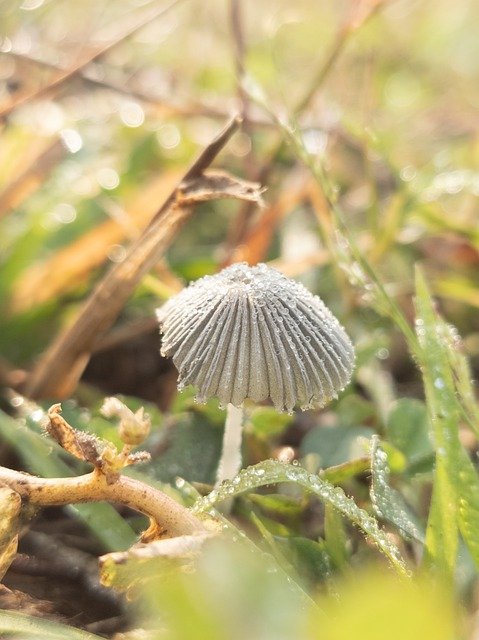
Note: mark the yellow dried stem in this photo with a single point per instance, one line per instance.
(171, 518)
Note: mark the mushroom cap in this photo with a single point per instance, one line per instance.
(251, 333)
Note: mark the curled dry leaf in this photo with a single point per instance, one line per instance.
(10, 503)
(214, 185)
(103, 455)
(83, 446)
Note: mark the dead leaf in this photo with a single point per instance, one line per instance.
(83, 446)
(215, 185)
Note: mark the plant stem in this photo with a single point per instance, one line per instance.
(230, 462)
(170, 518)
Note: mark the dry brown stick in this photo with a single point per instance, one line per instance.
(357, 16)
(162, 104)
(59, 370)
(63, 75)
(171, 517)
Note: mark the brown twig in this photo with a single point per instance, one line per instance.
(59, 370)
(63, 76)
(172, 518)
(166, 106)
(167, 518)
(162, 103)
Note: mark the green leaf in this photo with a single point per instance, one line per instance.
(266, 422)
(31, 628)
(335, 537)
(272, 472)
(278, 505)
(45, 457)
(440, 551)
(336, 445)
(190, 449)
(462, 375)
(311, 559)
(353, 410)
(273, 545)
(458, 288)
(375, 605)
(407, 429)
(387, 502)
(268, 527)
(342, 472)
(456, 494)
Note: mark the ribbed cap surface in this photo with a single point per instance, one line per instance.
(250, 332)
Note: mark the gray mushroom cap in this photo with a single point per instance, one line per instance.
(251, 333)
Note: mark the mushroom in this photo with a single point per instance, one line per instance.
(251, 333)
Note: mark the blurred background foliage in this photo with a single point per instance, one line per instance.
(103, 105)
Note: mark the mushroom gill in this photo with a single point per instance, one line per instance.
(251, 333)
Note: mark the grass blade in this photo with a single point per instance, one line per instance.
(387, 502)
(336, 540)
(456, 491)
(273, 472)
(29, 627)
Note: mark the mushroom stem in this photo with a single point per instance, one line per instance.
(230, 462)
(170, 517)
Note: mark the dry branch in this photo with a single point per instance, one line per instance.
(162, 105)
(173, 519)
(167, 517)
(61, 76)
(59, 370)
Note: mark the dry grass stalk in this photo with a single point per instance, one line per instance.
(59, 370)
